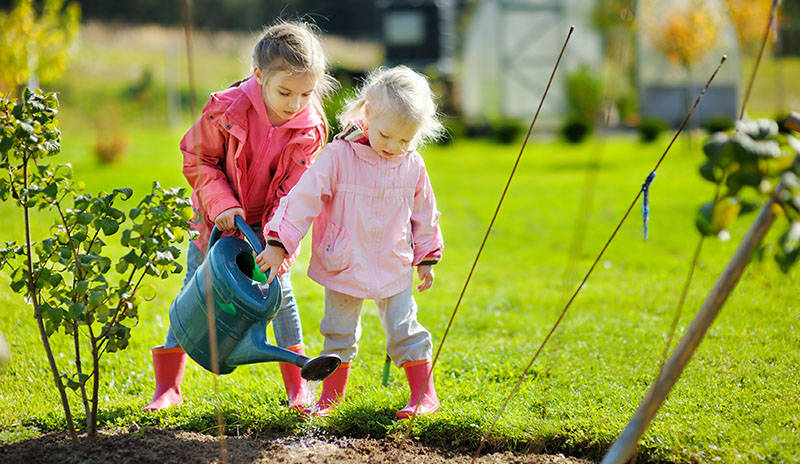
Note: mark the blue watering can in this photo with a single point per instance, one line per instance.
(242, 304)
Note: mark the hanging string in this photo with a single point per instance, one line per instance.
(646, 201)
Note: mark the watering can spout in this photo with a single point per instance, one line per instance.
(253, 348)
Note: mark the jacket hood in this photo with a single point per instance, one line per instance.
(356, 136)
(307, 118)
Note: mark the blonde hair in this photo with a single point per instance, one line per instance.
(400, 92)
(293, 47)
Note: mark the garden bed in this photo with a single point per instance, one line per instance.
(163, 446)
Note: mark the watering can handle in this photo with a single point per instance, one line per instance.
(251, 237)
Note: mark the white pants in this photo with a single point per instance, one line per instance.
(406, 339)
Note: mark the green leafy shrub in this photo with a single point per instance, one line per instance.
(584, 93)
(628, 108)
(75, 288)
(650, 128)
(576, 129)
(754, 156)
(478, 130)
(506, 131)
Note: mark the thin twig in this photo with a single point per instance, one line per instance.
(489, 229)
(758, 60)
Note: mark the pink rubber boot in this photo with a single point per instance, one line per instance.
(422, 390)
(333, 391)
(168, 364)
(294, 382)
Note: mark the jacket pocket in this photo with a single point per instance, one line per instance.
(302, 158)
(404, 249)
(334, 250)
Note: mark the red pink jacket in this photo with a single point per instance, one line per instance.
(233, 129)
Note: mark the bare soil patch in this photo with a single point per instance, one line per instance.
(174, 446)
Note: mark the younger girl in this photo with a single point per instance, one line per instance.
(250, 146)
(374, 218)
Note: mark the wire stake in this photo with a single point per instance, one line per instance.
(489, 229)
(594, 264)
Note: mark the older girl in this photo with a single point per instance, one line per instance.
(248, 149)
(375, 218)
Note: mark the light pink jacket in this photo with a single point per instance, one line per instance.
(233, 128)
(374, 218)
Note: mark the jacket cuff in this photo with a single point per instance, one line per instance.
(274, 240)
(431, 258)
(429, 261)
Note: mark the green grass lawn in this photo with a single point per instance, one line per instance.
(738, 400)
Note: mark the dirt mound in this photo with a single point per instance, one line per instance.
(168, 446)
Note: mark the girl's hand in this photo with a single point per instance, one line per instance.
(224, 220)
(425, 274)
(270, 259)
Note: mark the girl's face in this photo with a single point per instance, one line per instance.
(388, 134)
(285, 93)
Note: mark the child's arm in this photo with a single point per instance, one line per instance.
(297, 210)
(428, 242)
(203, 149)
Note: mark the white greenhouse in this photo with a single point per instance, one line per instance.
(511, 46)
(509, 52)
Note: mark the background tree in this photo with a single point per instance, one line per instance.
(749, 19)
(36, 45)
(684, 35)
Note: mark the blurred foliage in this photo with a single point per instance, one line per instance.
(755, 156)
(749, 18)
(584, 93)
(506, 131)
(576, 128)
(719, 123)
(5, 352)
(685, 36)
(243, 15)
(608, 15)
(628, 106)
(36, 43)
(650, 128)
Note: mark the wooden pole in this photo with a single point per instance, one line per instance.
(187, 27)
(793, 122)
(625, 446)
